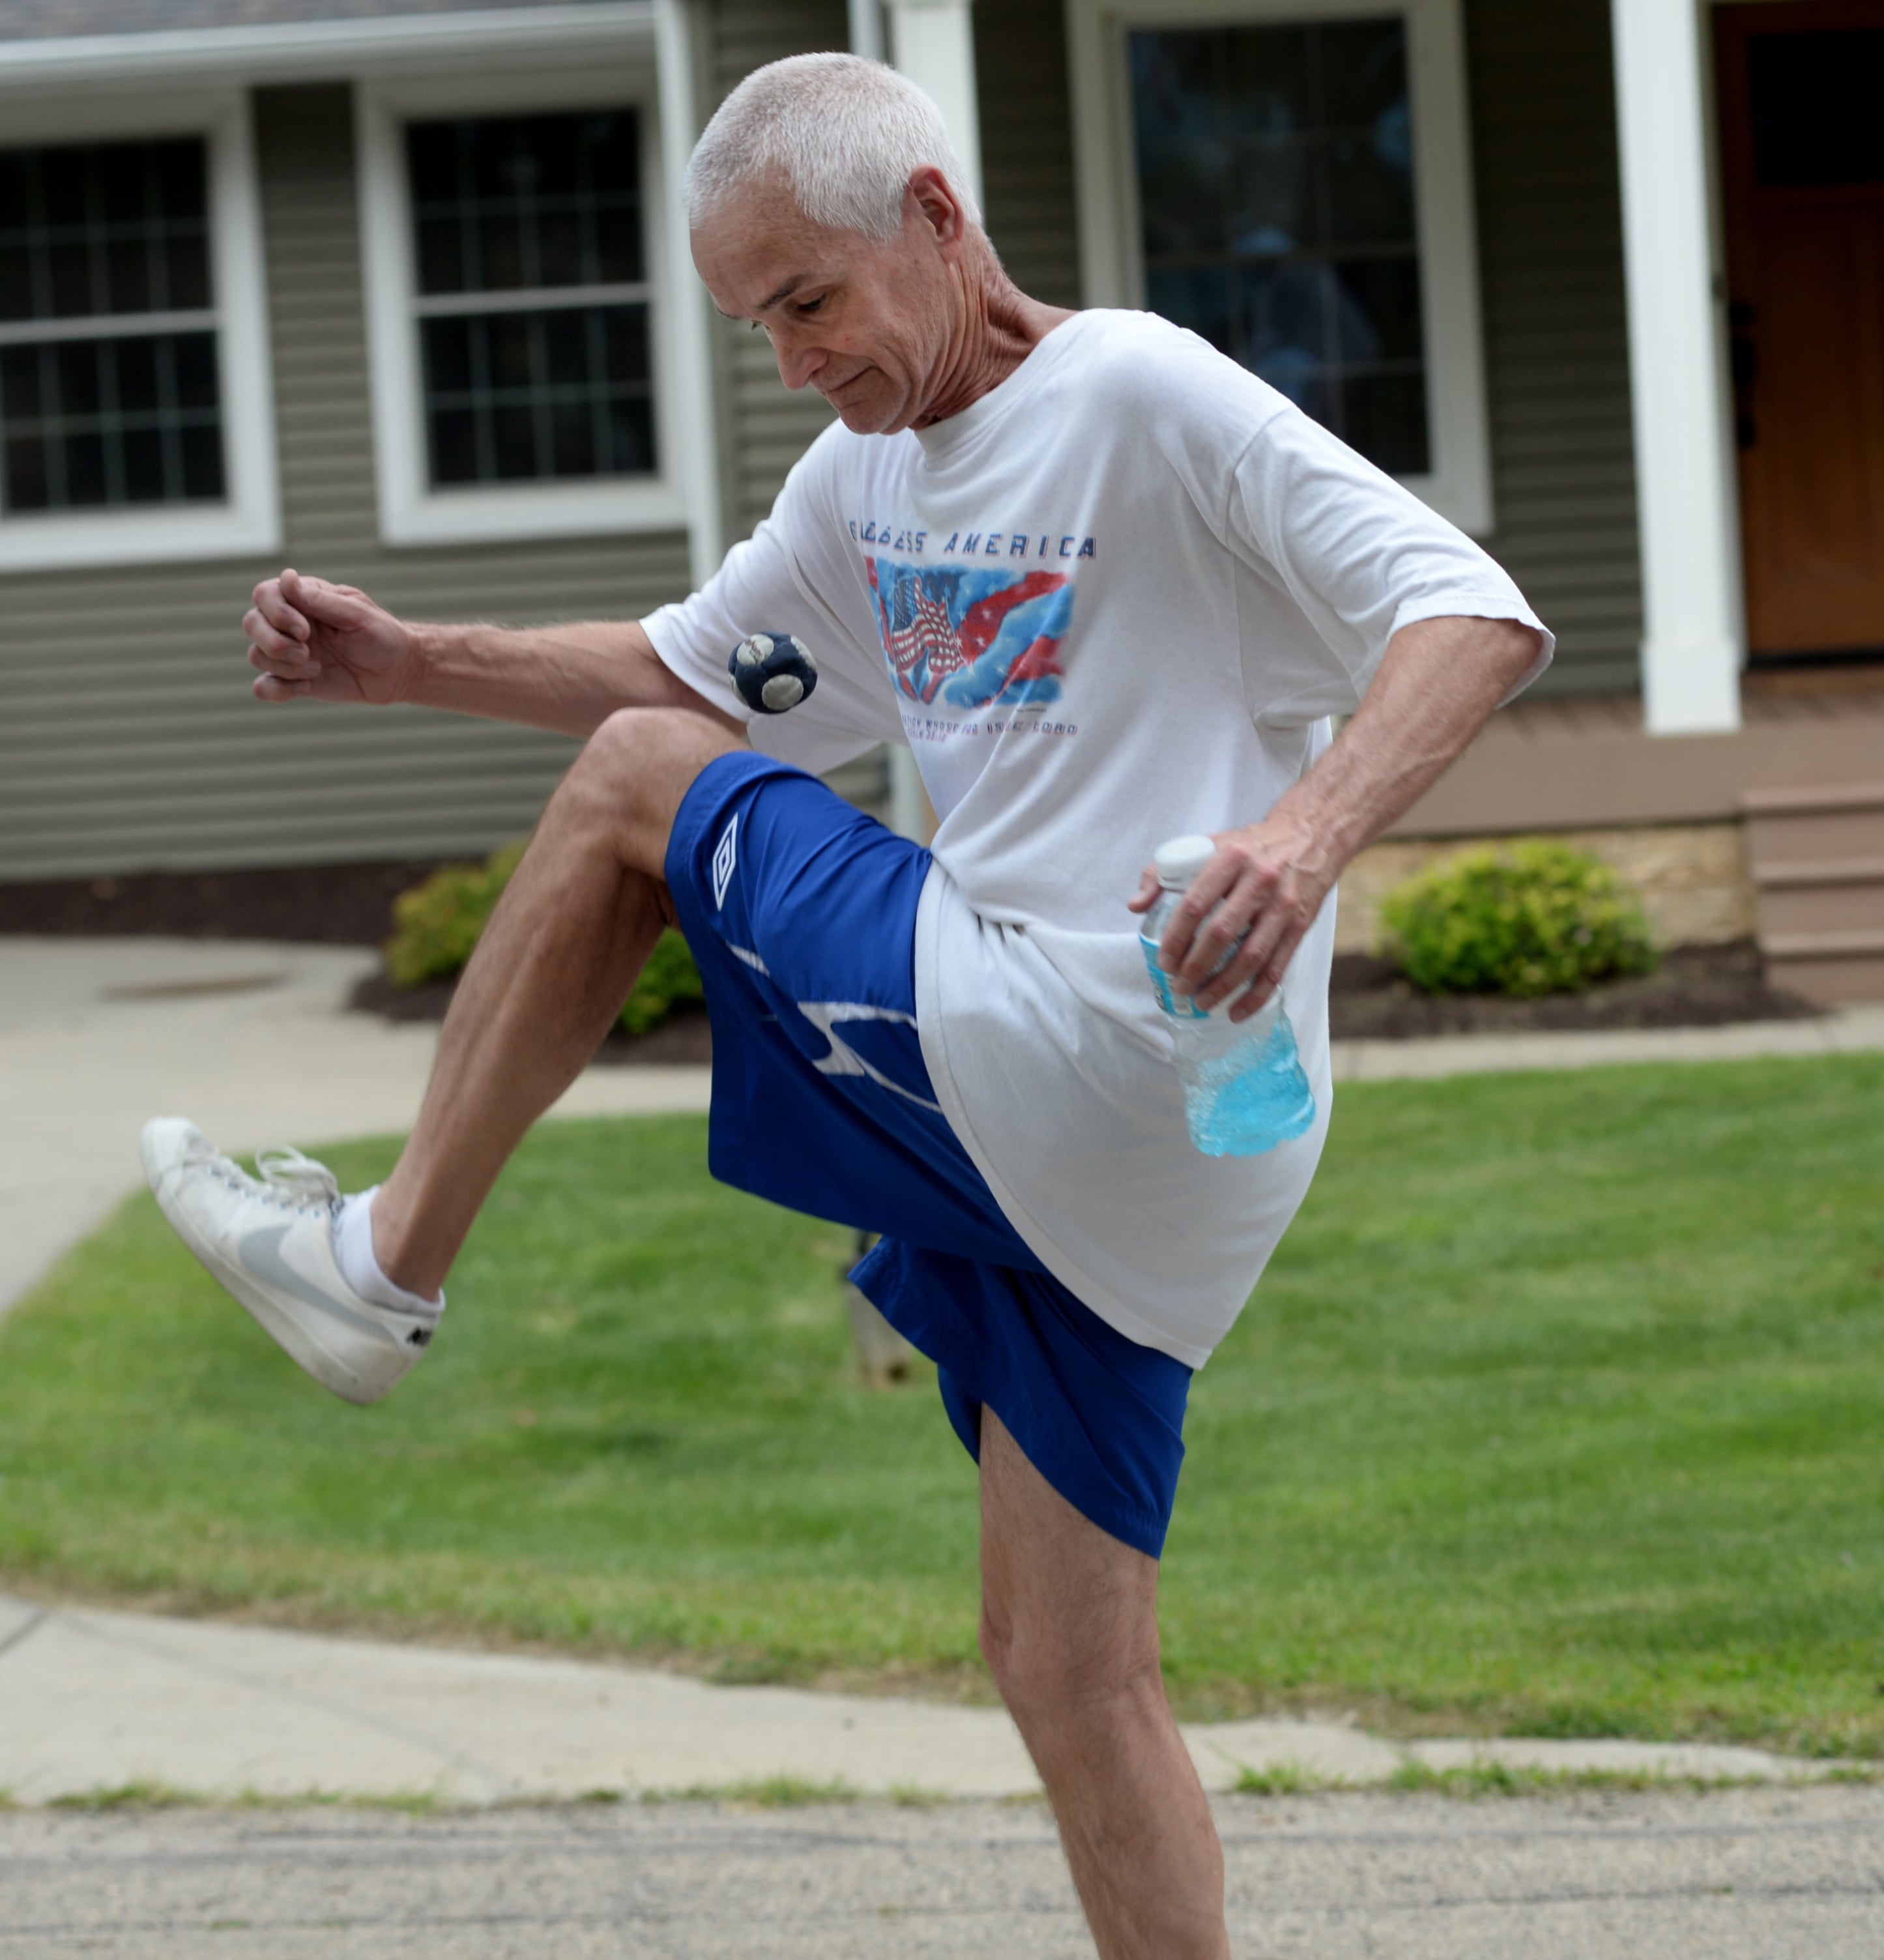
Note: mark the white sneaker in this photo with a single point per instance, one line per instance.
(269, 1240)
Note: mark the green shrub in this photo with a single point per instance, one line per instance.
(437, 923)
(668, 979)
(1534, 918)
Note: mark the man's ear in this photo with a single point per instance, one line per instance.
(931, 200)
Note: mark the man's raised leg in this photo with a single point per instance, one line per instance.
(1069, 1626)
(561, 951)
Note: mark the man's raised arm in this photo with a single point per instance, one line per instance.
(313, 640)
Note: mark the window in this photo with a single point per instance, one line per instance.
(116, 352)
(1288, 181)
(532, 300)
(98, 246)
(517, 333)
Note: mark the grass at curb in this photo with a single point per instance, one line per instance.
(1559, 1414)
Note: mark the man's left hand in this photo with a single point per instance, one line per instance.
(1264, 886)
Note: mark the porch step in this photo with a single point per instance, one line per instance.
(1817, 861)
(1831, 820)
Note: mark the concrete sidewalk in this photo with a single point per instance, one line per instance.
(93, 1701)
(250, 1040)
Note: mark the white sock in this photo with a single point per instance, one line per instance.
(359, 1264)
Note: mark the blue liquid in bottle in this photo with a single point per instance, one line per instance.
(1245, 1091)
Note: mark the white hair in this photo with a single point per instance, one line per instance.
(845, 134)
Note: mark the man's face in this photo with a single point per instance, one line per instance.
(866, 321)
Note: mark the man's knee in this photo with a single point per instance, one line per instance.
(638, 765)
(1052, 1659)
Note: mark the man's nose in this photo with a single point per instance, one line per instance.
(799, 361)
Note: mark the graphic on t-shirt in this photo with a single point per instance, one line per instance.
(972, 636)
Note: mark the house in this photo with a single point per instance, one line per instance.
(399, 290)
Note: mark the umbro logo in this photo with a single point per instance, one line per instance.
(724, 859)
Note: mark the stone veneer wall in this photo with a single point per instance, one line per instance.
(1692, 878)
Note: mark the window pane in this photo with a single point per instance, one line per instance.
(62, 187)
(25, 484)
(179, 169)
(532, 201)
(1385, 416)
(119, 184)
(572, 439)
(1369, 194)
(440, 256)
(618, 244)
(76, 364)
(127, 274)
(196, 356)
(69, 272)
(103, 228)
(1285, 324)
(448, 356)
(138, 391)
(105, 423)
(186, 272)
(1378, 302)
(19, 384)
(1275, 178)
(513, 430)
(633, 429)
(16, 283)
(454, 446)
(202, 462)
(14, 181)
(85, 485)
(511, 397)
(144, 466)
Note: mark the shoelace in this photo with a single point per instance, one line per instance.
(286, 1177)
(284, 1169)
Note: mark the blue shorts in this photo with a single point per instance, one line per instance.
(801, 913)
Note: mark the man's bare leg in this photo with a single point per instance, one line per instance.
(1069, 1626)
(573, 928)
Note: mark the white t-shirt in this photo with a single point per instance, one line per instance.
(1114, 600)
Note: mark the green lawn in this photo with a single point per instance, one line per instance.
(1561, 1411)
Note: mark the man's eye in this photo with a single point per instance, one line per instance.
(809, 306)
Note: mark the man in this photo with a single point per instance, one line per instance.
(1110, 587)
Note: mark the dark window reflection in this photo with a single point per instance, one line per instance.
(91, 235)
(1275, 177)
(512, 206)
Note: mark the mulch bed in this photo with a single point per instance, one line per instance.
(351, 904)
(1694, 987)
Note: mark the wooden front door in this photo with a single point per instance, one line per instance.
(1802, 102)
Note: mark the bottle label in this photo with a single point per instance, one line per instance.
(1181, 1006)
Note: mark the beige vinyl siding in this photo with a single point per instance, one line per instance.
(1020, 75)
(1550, 247)
(127, 739)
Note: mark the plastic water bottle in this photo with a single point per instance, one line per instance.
(1244, 1090)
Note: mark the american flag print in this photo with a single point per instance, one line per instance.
(970, 636)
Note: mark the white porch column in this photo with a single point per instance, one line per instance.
(933, 42)
(694, 424)
(1691, 650)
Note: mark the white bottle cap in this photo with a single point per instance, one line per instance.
(1179, 860)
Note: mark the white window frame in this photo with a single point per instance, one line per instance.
(411, 510)
(1459, 485)
(248, 520)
